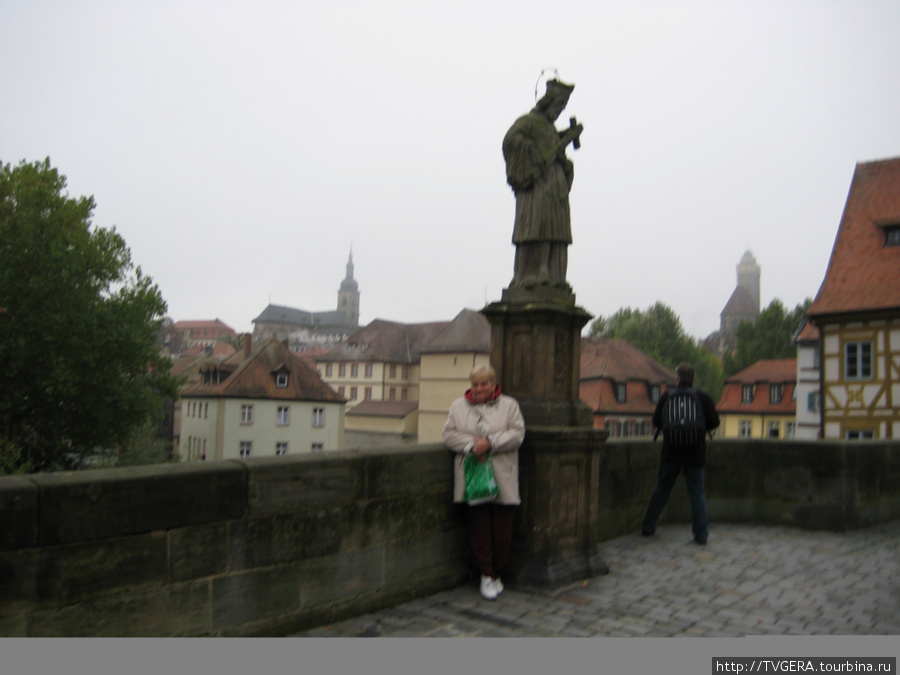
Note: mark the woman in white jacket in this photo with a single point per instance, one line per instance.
(485, 422)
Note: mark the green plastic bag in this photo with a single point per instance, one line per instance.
(481, 486)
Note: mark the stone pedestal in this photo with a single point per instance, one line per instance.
(557, 530)
(536, 351)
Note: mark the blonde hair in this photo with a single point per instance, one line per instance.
(485, 371)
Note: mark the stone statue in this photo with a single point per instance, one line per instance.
(541, 175)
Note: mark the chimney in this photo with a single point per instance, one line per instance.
(247, 342)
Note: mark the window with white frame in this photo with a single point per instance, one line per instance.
(368, 394)
(745, 428)
(341, 390)
(246, 449)
(776, 391)
(858, 360)
(620, 393)
(368, 370)
(354, 370)
(859, 435)
(774, 429)
(317, 447)
(393, 371)
(392, 394)
(790, 430)
(404, 372)
(281, 380)
(654, 393)
(353, 393)
(281, 448)
(328, 370)
(283, 416)
(246, 414)
(318, 417)
(747, 393)
(342, 370)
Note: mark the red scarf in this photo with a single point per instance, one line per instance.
(492, 398)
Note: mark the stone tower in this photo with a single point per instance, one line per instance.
(348, 295)
(748, 276)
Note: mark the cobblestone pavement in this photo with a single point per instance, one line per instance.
(748, 580)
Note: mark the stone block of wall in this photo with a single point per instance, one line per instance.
(176, 610)
(112, 502)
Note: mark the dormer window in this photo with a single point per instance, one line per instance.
(282, 375)
(747, 393)
(891, 235)
(775, 393)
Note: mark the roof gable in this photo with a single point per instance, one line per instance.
(863, 274)
(470, 331)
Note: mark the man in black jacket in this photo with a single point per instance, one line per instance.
(676, 457)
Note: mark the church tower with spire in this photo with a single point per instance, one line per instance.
(348, 295)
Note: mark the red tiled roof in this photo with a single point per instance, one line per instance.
(767, 370)
(253, 377)
(604, 362)
(600, 397)
(862, 273)
(620, 361)
(761, 374)
(808, 333)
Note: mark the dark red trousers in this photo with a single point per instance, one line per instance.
(490, 536)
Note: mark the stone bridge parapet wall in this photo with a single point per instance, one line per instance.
(272, 546)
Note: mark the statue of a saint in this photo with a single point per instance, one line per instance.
(541, 175)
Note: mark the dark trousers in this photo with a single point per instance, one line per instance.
(694, 479)
(490, 536)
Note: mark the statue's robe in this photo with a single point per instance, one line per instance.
(541, 186)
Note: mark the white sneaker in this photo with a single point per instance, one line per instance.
(498, 585)
(488, 590)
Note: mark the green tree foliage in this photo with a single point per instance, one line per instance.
(658, 332)
(141, 447)
(80, 370)
(771, 336)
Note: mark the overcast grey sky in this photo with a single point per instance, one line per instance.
(241, 148)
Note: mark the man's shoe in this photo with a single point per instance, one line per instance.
(647, 531)
(498, 586)
(488, 591)
(699, 542)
